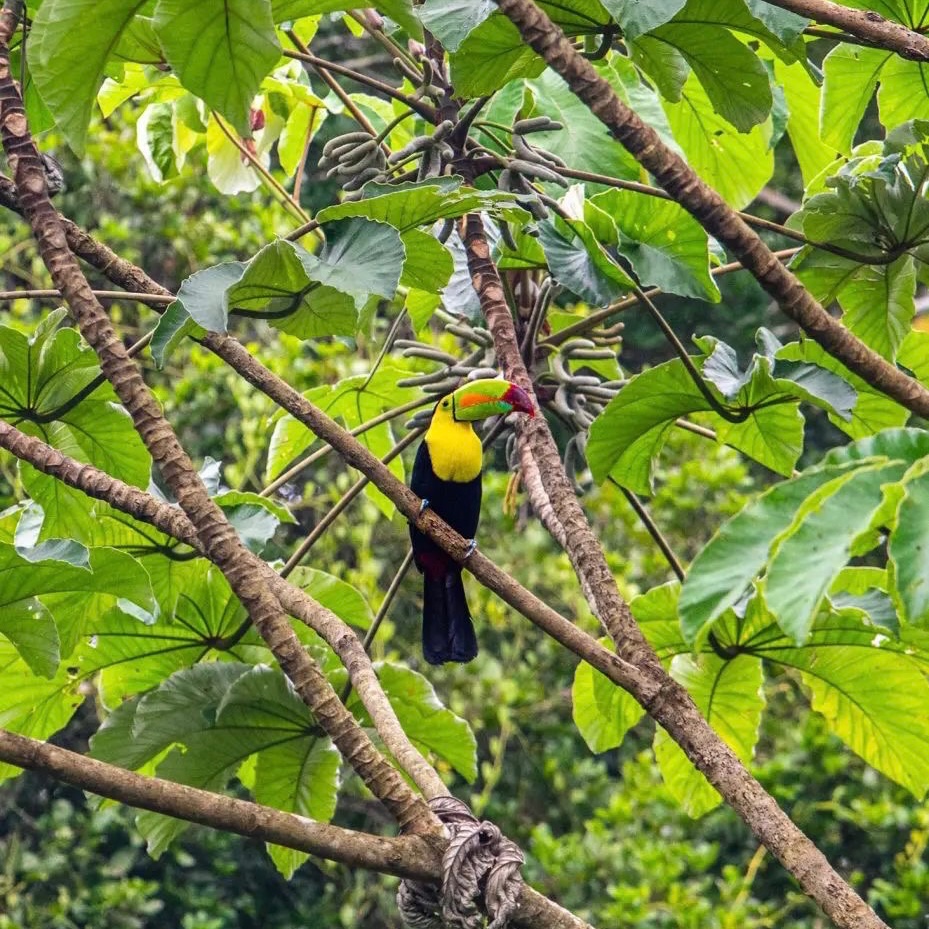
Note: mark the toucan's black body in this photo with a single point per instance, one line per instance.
(448, 633)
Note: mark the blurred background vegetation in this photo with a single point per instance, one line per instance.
(601, 834)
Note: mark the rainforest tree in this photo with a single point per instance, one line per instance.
(430, 193)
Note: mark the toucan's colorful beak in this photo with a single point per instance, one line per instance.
(519, 400)
(489, 397)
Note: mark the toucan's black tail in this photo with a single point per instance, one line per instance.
(448, 633)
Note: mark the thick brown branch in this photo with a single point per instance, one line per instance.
(866, 25)
(406, 856)
(713, 213)
(666, 701)
(216, 535)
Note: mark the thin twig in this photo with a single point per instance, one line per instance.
(652, 528)
(320, 528)
(312, 459)
(268, 177)
(427, 112)
(138, 297)
(381, 615)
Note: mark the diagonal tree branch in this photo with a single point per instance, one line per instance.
(216, 535)
(867, 25)
(713, 213)
(666, 701)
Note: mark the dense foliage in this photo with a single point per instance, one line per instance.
(194, 144)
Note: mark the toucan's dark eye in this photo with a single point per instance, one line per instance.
(445, 404)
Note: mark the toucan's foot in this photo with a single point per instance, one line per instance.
(423, 506)
(472, 548)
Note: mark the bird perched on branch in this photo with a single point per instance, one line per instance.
(447, 475)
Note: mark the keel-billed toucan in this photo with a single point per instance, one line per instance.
(447, 475)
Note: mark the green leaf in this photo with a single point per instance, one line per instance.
(420, 305)
(492, 55)
(133, 657)
(879, 305)
(451, 21)
(785, 25)
(114, 741)
(31, 705)
(299, 777)
(139, 44)
(665, 245)
(735, 164)
(173, 327)
(354, 400)
(185, 704)
(663, 64)
(656, 612)
(46, 388)
(347, 602)
(772, 432)
(223, 714)
(361, 258)
(850, 77)
(908, 548)
(730, 695)
(733, 76)
(628, 435)
(30, 627)
(772, 435)
(722, 571)
(109, 575)
(298, 292)
(422, 203)
(68, 73)
(155, 137)
(578, 260)
(254, 518)
(872, 696)
(873, 410)
(428, 264)
(203, 295)
(901, 95)
(804, 105)
(220, 50)
(636, 17)
(603, 712)
(400, 11)
(818, 543)
(429, 725)
(846, 214)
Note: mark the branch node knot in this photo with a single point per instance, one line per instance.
(480, 876)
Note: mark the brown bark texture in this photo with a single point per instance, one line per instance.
(866, 25)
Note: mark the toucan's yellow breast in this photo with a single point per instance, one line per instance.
(454, 449)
